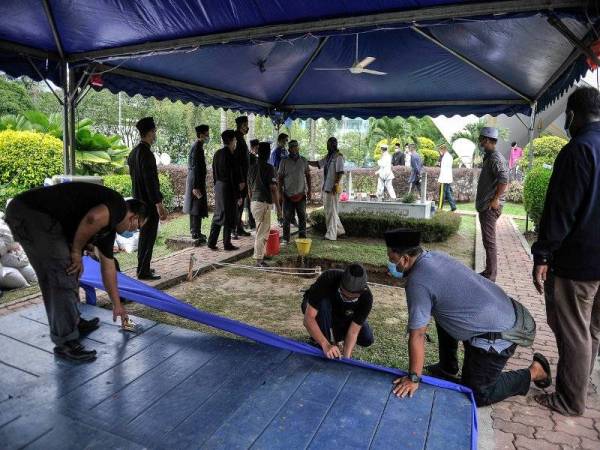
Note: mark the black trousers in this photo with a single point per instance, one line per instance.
(482, 370)
(195, 225)
(290, 209)
(213, 237)
(251, 221)
(146, 243)
(329, 324)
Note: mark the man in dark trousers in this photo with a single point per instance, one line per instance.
(469, 308)
(195, 202)
(54, 225)
(416, 166)
(493, 180)
(567, 254)
(252, 159)
(241, 161)
(228, 189)
(146, 187)
(336, 308)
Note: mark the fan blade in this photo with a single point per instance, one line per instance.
(373, 72)
(331, 68)
(365, 62)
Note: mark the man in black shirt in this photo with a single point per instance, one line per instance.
(262, 183)
(53, 225)
(194, 201)
(227, 192)
(336, 308)
(146, 187)
(241, 161)
(398, 158)
(252, 158)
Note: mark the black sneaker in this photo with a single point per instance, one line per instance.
(87, 326)
(148, 276)
(231, 247)
(214, 248)
(74, 351)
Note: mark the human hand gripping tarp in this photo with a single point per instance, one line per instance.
(139, 292)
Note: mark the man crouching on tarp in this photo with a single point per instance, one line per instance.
(336, 308)
(469, 308)
(54, 224)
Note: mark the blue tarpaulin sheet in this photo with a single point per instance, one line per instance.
(490, 64)
(141, 293)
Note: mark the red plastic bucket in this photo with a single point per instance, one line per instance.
(272, 243)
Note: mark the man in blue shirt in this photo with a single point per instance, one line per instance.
(468, 308)
(280, 151)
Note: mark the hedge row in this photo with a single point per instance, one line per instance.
(438, 229)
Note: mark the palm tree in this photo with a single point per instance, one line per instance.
(390, 128)
(472, 131)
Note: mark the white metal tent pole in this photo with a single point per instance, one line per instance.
(530, 134)
(66, 153)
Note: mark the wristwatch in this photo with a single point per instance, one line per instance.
(412, 376)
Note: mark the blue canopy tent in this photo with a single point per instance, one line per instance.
(441, 57)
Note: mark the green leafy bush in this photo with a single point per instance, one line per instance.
(27, 157)
(545, 151)
(534, 192)
(409, 197)
(424, 143)
(438, 229)
(514, 192)
(122, 184)
(430, 157)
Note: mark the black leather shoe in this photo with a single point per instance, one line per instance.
(214, 248)
(74, 351)
(243, 233)
(87, 326)
(148, 276)
(230, 248)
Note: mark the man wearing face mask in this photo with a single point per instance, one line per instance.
(469, 308)
(294, 185)
(336, 308)
(194, 201)
(146, 187)
(54, 225)
(333, 170)
(567, 254)
(493, 180)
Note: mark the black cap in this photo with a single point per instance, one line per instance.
(146, 124)
(254, 142)
(402, 238)
(240, 120)
(201, 128)
(354, 278)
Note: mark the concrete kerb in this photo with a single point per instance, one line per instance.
(522, 239)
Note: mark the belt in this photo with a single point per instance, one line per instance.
(491, 336)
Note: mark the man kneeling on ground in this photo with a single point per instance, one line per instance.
(336, 308)
(469, 308)
(54, 225)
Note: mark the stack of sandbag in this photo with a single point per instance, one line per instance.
(15, 270)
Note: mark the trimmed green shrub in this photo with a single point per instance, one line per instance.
(545, 151)
(424, 143)
(27, 157)
(514, 192)
(534, 192)
(122, 184)
(439, 228)
(430, 157)
(409, 197)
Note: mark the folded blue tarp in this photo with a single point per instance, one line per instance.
(141, 293)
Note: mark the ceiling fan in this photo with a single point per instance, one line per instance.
(358, 66)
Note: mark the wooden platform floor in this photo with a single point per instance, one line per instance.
(171, 388)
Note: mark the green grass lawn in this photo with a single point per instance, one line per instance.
(513, 209)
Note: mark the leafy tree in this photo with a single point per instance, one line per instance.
(14, 98)
(472, 131)
(545, 151)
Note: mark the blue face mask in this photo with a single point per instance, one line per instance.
(393, 270)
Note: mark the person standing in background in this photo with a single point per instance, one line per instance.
(445, 179)
(385, 175)
(416, 165)
(252, 158)
(146, 187)
(241, 162)
(399, 158)
(516, 153)
(194, 201)
(280, 152)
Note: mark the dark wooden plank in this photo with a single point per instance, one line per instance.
(240, 386)
(450, 431)
(255, 413)
(353, 418)
(405, 421)
(299, 418)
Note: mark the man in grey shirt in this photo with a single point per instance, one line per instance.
(294, 185)
(466, 307)
(493, 180)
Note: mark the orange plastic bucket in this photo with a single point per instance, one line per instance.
(272, 243)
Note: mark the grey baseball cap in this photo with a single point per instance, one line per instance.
(489, 132)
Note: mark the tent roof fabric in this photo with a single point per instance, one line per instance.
(442, 57)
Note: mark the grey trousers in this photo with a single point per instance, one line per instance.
(573, 311)
(46, 246)
(488, 219)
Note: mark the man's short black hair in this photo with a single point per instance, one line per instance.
(227, 136)
(254, 142)
(293, 143)
(410, 251)
(282, 136)
(137, 207)
(397, 144)
(264, 151)
(585, 101)
(513, 144)
(201, 129)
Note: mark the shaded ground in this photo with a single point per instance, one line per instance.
(272, 301)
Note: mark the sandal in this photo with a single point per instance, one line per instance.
(546, 382)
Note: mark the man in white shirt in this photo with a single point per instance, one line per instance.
(445, 179)
(385, 175)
